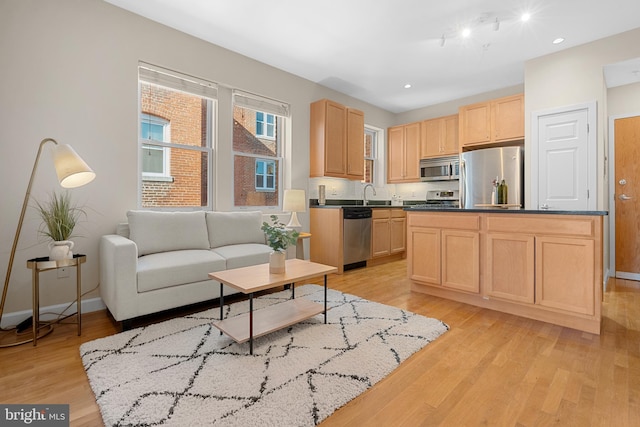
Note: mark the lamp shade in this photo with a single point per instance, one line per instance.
(294, 201)
(72, 171)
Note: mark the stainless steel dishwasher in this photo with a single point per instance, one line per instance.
(357, 236)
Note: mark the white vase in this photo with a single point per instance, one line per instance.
(277, 262)
(60, 250)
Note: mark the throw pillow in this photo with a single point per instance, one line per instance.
(234, 228)
(167, 231)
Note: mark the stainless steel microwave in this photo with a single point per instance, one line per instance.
(440, 169)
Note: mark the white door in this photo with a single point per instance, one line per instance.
(566, 165)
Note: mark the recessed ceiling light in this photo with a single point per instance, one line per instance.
(466, 32)
(407, 86)
(525, 17)
(558, 40)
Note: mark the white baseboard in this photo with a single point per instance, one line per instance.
(52, 311)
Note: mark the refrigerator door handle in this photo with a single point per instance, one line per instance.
(463, 183)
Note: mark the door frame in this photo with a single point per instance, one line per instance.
(592, 150)
(612, 189)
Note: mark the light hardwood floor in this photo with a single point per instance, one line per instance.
(490, 369)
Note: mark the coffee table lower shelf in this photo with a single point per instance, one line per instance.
(269, 319)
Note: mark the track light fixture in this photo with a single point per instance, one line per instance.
(496, 25)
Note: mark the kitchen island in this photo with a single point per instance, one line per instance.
(543, 265)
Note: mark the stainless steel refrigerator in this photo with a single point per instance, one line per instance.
(480, 168)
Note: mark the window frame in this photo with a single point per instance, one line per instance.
(266, 175)
(266, 125)
(281, 113)
(192, 86)
(147, 143)
(377, 157)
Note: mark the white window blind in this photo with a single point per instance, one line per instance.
(259, 103)
(174, 80)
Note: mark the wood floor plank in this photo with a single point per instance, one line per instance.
(489, 369)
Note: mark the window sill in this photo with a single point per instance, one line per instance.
(158, 178)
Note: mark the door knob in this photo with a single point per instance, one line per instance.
(624, 197)
(622, 181)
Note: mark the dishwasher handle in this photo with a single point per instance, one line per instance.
(356, 213)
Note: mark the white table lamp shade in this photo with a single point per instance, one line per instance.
(72, 171)
(294, 201)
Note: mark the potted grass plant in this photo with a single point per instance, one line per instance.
(59, 218)
(279, 238)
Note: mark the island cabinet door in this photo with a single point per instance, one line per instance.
(461, 260)
(510, 267)
(424, 256)
(565, 271)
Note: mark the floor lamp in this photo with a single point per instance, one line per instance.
(72, 172)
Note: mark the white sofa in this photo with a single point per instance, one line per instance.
(161, 260)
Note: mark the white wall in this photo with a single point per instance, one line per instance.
(69, 71)
(451, 107)
(576, 76)
(623, 100)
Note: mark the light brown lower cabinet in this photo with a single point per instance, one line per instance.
(388, 232)
(541, 266)
(510, 267)
(563, 267)
(443, 250)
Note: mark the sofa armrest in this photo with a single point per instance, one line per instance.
(118, 275)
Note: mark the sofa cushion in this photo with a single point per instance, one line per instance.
(167, 231)
(244, 255)
(232, 228)
(166, 269)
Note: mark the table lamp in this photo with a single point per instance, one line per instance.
(72, 172)
(294, 202)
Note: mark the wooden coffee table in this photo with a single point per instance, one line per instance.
(246, 327)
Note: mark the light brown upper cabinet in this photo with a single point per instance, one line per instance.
(497, 120)
(439, 137)
(403, 161)
(336, 141)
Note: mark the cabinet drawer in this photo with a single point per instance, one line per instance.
(457, 221)
(380, 213)
(542, 224)
(398, 213)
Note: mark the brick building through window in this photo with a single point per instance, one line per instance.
(175, 177)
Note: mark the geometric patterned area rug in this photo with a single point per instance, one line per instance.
(182, 372)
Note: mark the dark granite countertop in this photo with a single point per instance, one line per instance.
(507, 211)
(418, 206)
(342, 203)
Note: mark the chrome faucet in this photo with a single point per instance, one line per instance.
(364, 193)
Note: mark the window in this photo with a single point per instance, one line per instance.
(258, 145)
(265, 175)
(155, 160)
(175, 139)
(370, 154)
(265, 125)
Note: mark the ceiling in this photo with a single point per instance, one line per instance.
(371, 49)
